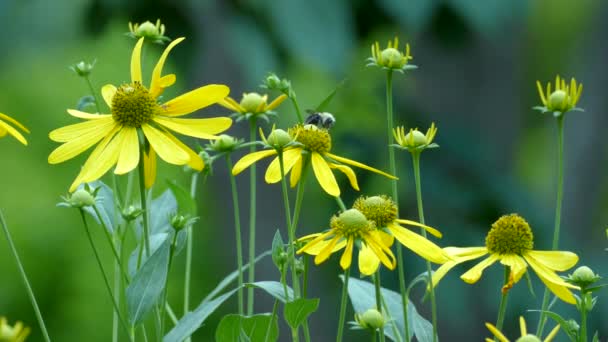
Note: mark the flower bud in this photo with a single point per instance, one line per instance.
(299, 266)
(147, 29)
(278, 138)
(416, 138)
(558, 99)
(528, 338)
(370, 319)
(392, 58)
(251, 102)
(82, 68)
(583, 277)
(81, 198)
(225, 143)
(131, 213)
(178, 222)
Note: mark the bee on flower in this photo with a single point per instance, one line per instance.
(561, 100)
(391, 58)
(6, 128)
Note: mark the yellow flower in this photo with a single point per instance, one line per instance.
(348, 229)
(252, 104)
(135, 112)
(382, 211)
(525, 337)
(510, 241)
(391, 58)
(5, 128)
(313, 142)
(415, 140)
(563, 99)
(16, 333)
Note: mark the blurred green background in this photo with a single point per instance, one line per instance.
(479, 61)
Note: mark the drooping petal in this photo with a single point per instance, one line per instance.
(81, 140)
(387, 239)
(386, 256)
(296, 172)
(555, 260)
(518, 265)
(195, 162)
(14, 122)
(368, 261)
(84, 115)
(552, 334)
(108, 91)
(496, 333)
(459, 255)
(347, 256)
(431, 230)
(324, 175)
(199, 128)
(249, 159)
(195, 100)
(471, 276)
(12, 131)
(350, 174)
(418, 244)
(274, 104)
(357, 164)
(556, 284)
(231, 104)
(149, 168)
(129, 151)
(102, 162)
(290, 158)
(317, 248)
(522, 326)
(156, 84)
(136, 61)
(318, 239)
(168, 150)
(327, 251)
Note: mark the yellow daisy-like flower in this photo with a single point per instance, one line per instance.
(16, 333)
(510, 241)
(252, 104)
(563, 99)
(313, 142)
(5, 128)
(415, 140)
(348, 229)
(525, 337)
(382, 211)
(135, 112)
(391, 58)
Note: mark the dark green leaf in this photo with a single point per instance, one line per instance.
(566, 327)
(297, 311)
(185, 203)
(236, 328)
(160, 212)
(277, 250)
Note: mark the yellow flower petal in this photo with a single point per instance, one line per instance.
(347, 256)
(251, 158)
(84, 115)
(108, 91)
(199, 128)
(541, 93)
(368, 261)
(387, 239)
(311, 245)
(522, 326)
(195, 162)
(496, 333)
(274, 104)
(149, 168)
(473, 275)
(418, 244)
(93, 158)
(168, 150)
(327, 251)
(357, 164)
(81, 141)
(324, 175)
(552, 334)
(296, 172)
(129, 151)
(431, 230)
(350, 174)
(556, 284)
(518, 265)
(101, 163)
(290, 158)
(317, 248)
(459, 256)
(555, 260)
(386, 256)
(195, 100)
(136, 62)
(14, 122)
(156, 86)
(231, 104)
(82, 129)
(12, 131)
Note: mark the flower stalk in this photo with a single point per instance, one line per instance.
(237, 230)
(343, 303)
(502, 309)
(252, 216)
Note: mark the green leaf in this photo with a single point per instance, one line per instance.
(273, 288)
(230, 278)
(323, 105)
(156, 241)
(236, 328)
(566, 327)
(185, 202)
(148, 283)
(277, 250)
(104, 201)
(84, 102)
(160, 212)
(297, 311)
(193, 320)
(362, 296)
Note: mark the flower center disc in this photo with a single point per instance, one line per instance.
(133, 105)
(351, 223)
(313, 138)
(379, 209)
(510, 234)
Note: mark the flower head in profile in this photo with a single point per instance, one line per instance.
(6, 127)
(152, 32)
(382, 211)
(414, 140)
(15, 333)
(139, 125)
(511, 242)
(525, 337)
(391, 58)
(252, 105)
(347, 230)
(561, 100)
(313, 144)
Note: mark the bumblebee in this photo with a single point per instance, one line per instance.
(320, 119)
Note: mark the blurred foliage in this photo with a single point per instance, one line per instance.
(478, 64)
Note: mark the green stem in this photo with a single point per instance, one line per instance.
(583, 329)
(416, 163)
(106, 231)
(164, 304)
(237, 229)
(392, 323)
(503, 301)
(252, 216)
(558, 213)
(343, 304)
(189, 248)
(143, 199)
(378, 300)
(93, 93)
(118, 281)
(290, 230)
(103, 272)
(297, 107)
(374, 334)
(273, 316)
(26, 282)
(340, 203)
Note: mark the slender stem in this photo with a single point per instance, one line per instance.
(297, 108)
(343, 304)
(93, 92)
(103, 272)
(374, 333)
(392, 323)
(117, 289)
(503, 301)
(558, 213)
(252, 216)
(306, 258)
(26, 282)
(189, 249)
(340, 203)
(237, 230)
(143, 200)
(378, 300)
(164, 304)
(110, 239)
(300, 195)
(416, 163)
(583, 329)
(273, 317)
